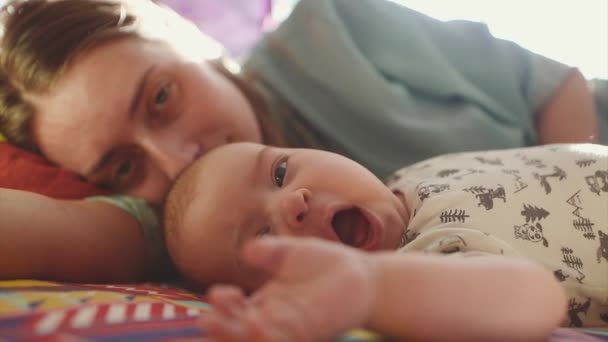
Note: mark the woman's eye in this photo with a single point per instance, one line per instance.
(263, 232)
(123, 174)
(164, 108)
(162, 96)
(279, 173)
(124, 168)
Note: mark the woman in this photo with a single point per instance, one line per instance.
(127, 94)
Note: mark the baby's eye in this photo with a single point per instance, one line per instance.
(263, 232)
(279, 173)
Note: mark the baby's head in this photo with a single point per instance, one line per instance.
(244, 191)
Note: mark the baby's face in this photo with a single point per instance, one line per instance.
(247, 191)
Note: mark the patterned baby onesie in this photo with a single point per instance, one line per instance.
(548, 203)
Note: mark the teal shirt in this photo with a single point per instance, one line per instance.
(388, 86)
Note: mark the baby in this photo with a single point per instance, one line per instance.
(485, 239)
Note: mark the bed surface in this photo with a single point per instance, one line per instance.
(49, 311)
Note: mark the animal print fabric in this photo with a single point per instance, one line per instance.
(547, 203)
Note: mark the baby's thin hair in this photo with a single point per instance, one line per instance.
(179, 199)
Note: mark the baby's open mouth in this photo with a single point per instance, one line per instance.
(352, 227)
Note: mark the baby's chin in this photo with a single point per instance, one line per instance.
(394, 229)
(394, 235)
(402, 219)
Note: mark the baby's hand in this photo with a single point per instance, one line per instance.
(318, 289)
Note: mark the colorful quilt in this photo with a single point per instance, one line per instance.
(48, 311)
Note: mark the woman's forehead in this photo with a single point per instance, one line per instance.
(90, 103)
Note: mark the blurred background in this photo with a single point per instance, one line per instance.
(574, 32)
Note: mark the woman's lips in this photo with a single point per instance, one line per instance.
(357, 227)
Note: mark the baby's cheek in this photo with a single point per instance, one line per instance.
(186, 257)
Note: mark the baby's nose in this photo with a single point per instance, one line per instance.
(294, 207)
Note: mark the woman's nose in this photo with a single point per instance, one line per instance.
(171, 156)
(294, 207)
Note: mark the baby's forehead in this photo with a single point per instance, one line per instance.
(213, 205)
(227, 169)
(223, 186)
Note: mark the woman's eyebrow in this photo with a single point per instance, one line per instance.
(139, 90)
(135, 102)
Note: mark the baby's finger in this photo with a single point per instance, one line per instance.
(261, 329)
(267, 254)
(217, 328)
(228, 300)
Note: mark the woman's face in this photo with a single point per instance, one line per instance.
(131, 114)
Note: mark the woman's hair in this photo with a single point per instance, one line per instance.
(40, 39)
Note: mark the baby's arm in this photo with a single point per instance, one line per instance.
(320, 289)
(84, 241)
(470, 298)
(570, 115)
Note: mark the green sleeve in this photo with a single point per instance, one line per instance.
(148, 220)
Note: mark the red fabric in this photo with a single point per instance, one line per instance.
(24, 170)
